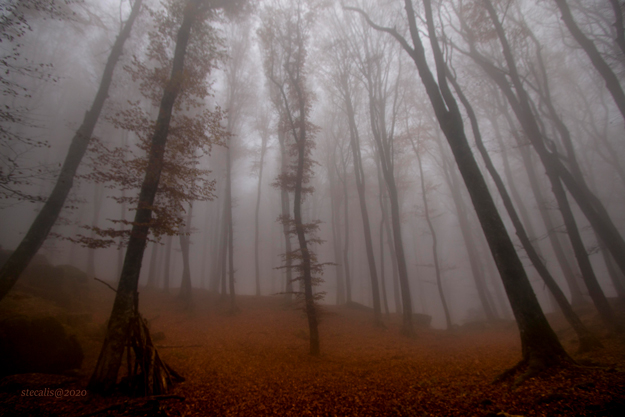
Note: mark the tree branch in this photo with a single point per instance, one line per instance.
(392, 31)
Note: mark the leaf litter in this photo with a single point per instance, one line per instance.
(256, 363)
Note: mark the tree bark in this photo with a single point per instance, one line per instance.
(39, 230)
(105, 374)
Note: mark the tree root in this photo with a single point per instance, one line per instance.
(149, 375)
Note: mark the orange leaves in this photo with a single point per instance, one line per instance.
(256, 364)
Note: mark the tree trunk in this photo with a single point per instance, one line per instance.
(286, 212)
(570, 275)
(618, 25)
(360, 187)
(167, 264)
(554, 169)
(540, 344)
(263, 149)
(337, 244)
(589, 204)
(230, 231)
(105, 374)
(98, 194)
(153, 268)
(602, 67)
(382, 266)
(39, 230)
(469, 241)
(186, 293)
(348, 279)
(437, 268)
(587, 341)
(223, 251)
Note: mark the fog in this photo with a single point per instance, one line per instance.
(327, 82)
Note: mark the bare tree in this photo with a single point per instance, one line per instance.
(39, 230)
(541, 348)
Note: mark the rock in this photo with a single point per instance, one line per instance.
(37, 345)
(357, 306)
(422, 320)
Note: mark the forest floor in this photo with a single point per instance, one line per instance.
(256, 363)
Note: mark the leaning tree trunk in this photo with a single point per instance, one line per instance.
(588, 203)
(555, 171)
(540, 345)
(602, 67)
(570, 275)
(587, 341)
(39, 230)
(109, 362)
(477, 270)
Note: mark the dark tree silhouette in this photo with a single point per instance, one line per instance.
(39, 230)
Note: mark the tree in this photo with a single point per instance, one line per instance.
(587, 341)
(426, 210)
(237, 97)
(125, 318)
(540, 345)
(344, 82)
(263, 127)
(17, 174)
(47, 216)
(611, 80)
(557, 173)
(285, 34)
(376, 73)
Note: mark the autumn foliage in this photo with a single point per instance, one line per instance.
(194, 129)
(257, 364)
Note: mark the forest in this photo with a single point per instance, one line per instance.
(312, 207)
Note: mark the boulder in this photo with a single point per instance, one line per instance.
(37, 345)
(421, 320)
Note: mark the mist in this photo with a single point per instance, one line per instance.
(422, 170)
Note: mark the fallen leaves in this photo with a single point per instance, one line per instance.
(254, 364)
